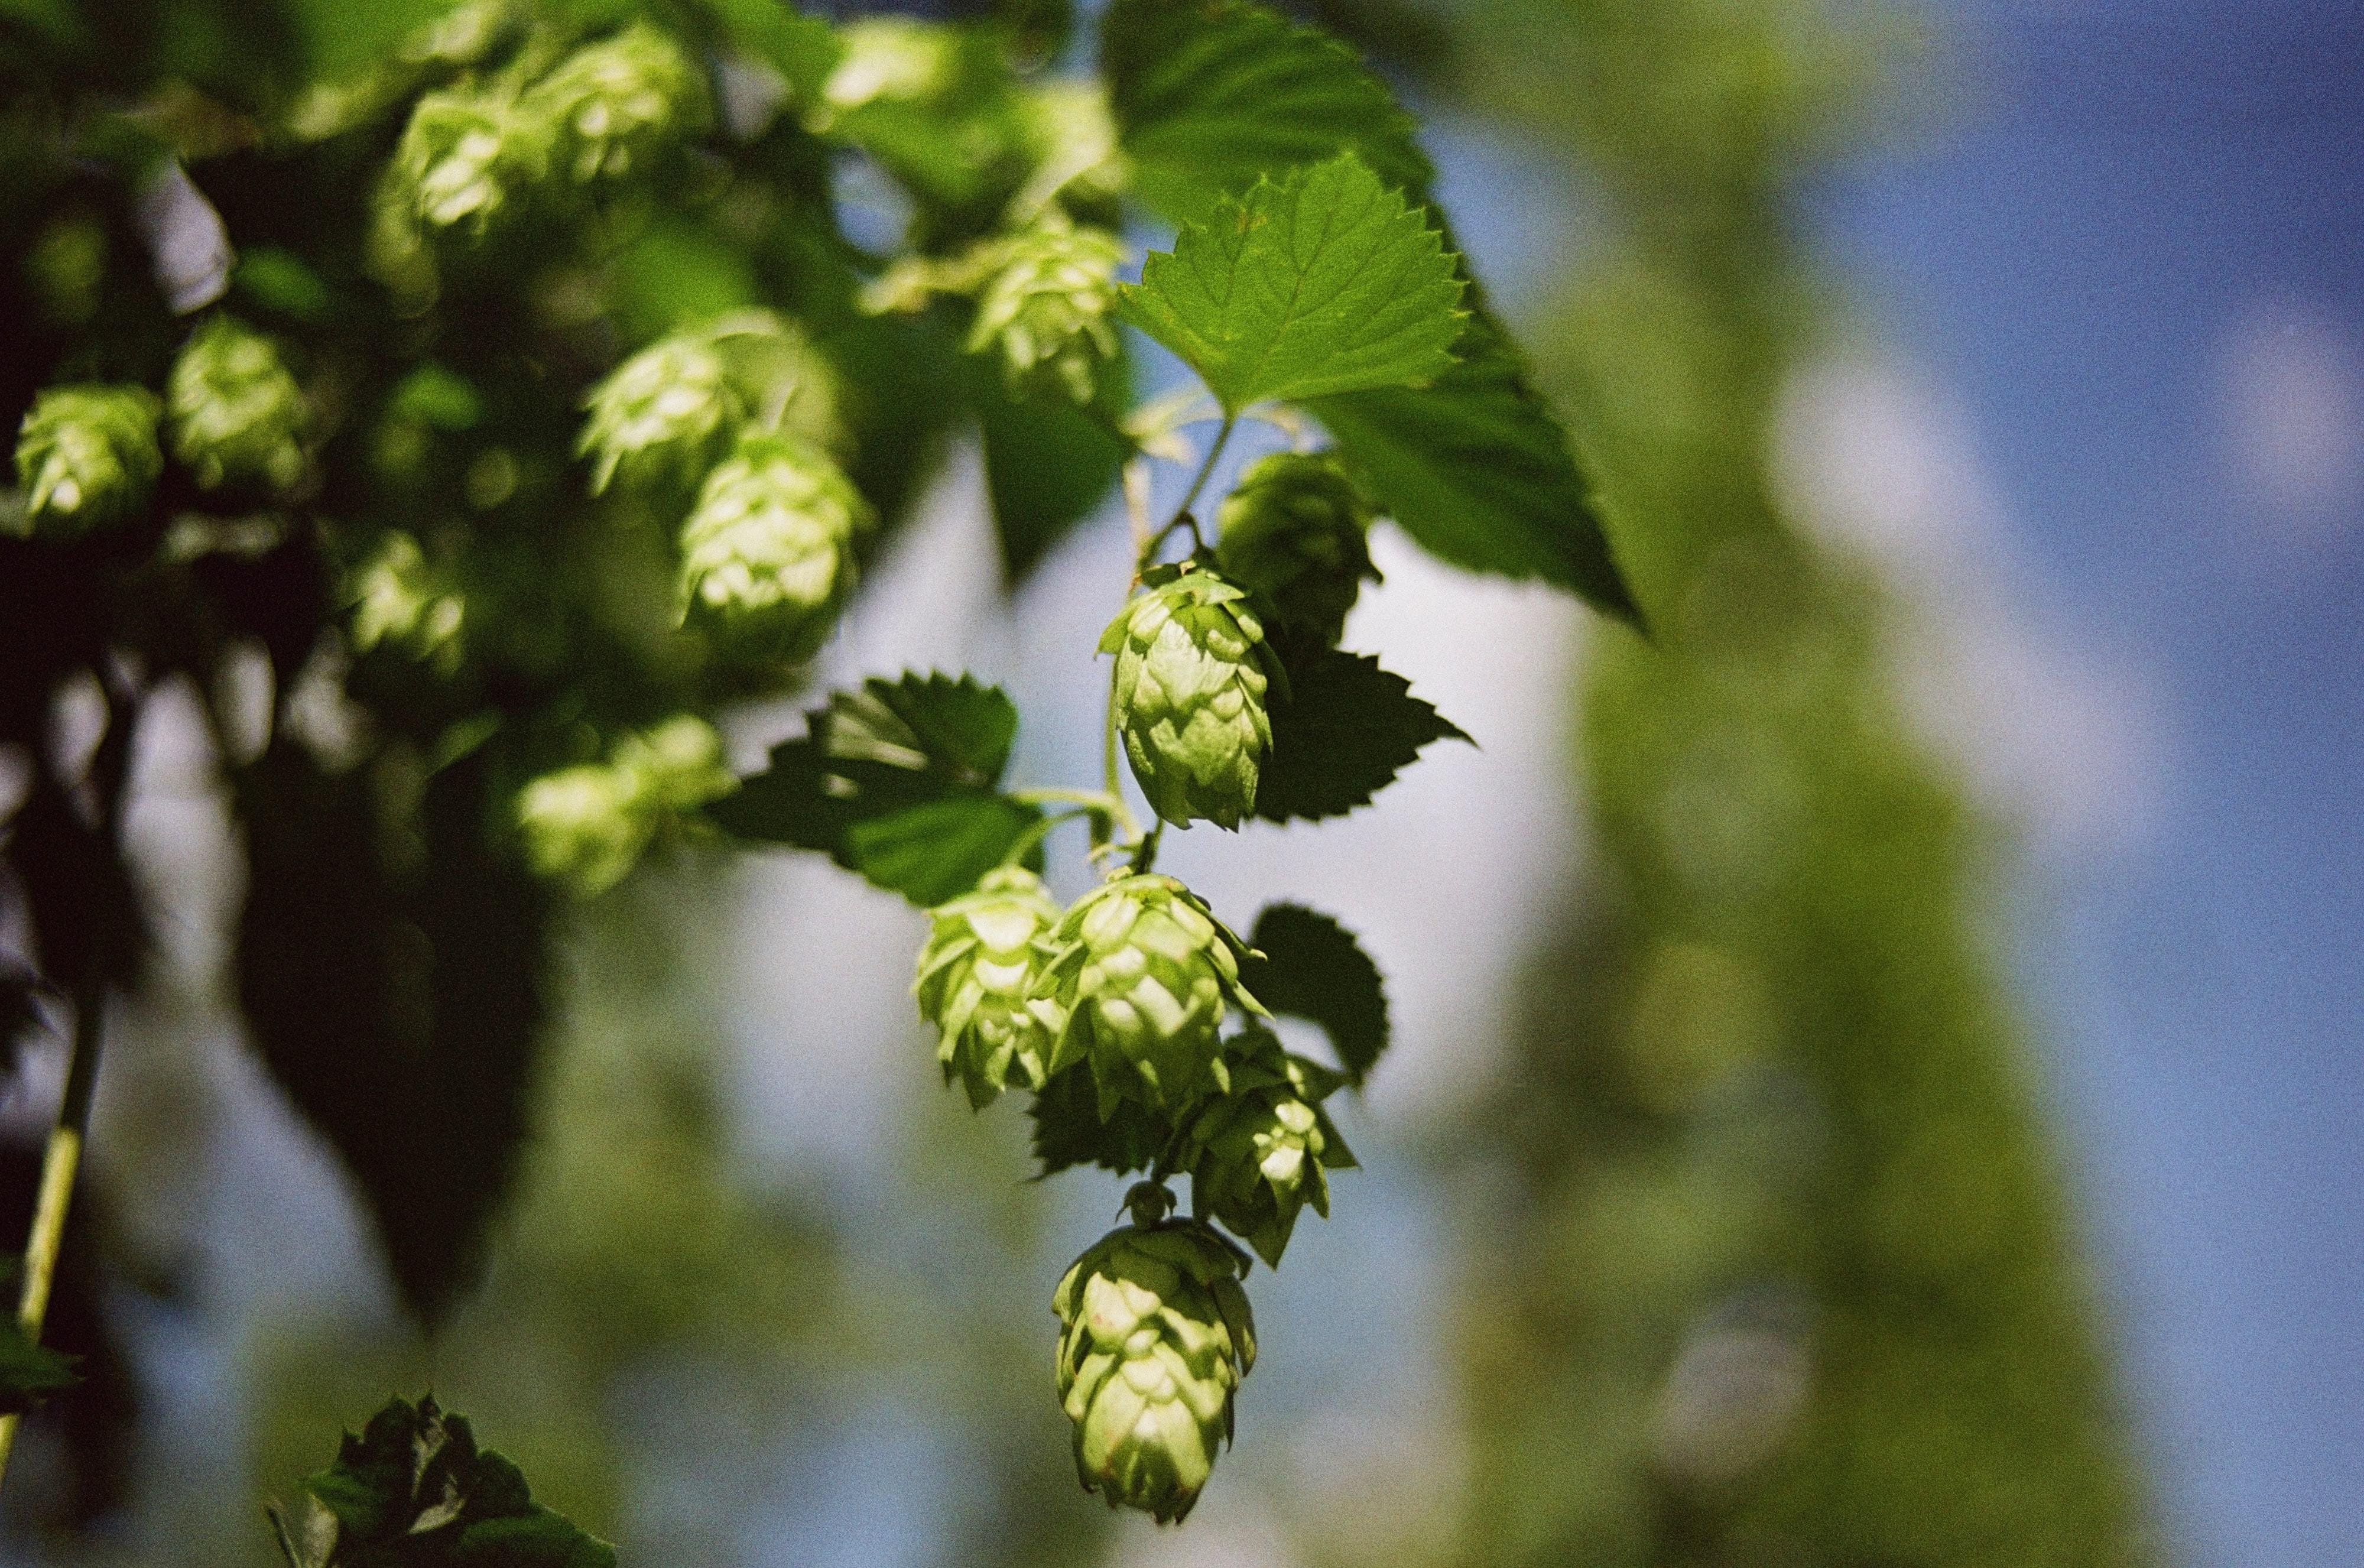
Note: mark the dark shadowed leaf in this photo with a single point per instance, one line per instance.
(29, 1372)
(1341, 734)
(1312, 968)
(1069, 1130)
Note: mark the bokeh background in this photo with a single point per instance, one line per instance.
(1876, 1079)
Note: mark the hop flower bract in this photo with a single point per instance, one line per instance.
(1265, 1147)
(588, 824)
(1155, 1335)
(614, 102)
(87, 456)
(984, 951)
(659, 414)
(768, 553)
(1191, 671)
(236, 411)
(1295, 532)
(466, 156)
(1047, 302)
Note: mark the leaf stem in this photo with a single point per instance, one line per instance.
(1182, 518)
(1106, 804)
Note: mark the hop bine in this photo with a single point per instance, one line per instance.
(615, 102)
(1191, 671)
(1048, 302)
(982, 955)
(768, 553)
(1155, 1335)
(236, 410)
(659, 414)
(1140, 978)
(1295, 533)
(87, 456)
(1265, 1147)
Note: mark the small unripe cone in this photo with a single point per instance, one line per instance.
(1049, 303)
(659, 414)
(1265, 1147)
(397, 601)
(984, 952)
(236, 411)
(1140, 978)
(463, 157)
(86, 457)
(614, 102)
(1295, 532)
(1191, 670)
(588, 824)
(768, 553)
(1155, 1335)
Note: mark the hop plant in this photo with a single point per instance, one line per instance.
(768, 553)
(236, 410)
(614, 102)
(465, 156)
(659, 413)
(1155, 1335)
(1295, 532)
(588, 824)
(397, 602)
(1140, 978)
(1047, 302)
(983, 952)
(1191, 670)
(87, 456)
(1265, 1147)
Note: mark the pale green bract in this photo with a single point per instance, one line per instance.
(1191, 674)
(1264, 1148)
(768, 553)
(984, 952)
(87, 456)
(236, 411)
(1295, 533)
(1155, 1337)
(1322, 282)
(588, 824)
(1140, 979)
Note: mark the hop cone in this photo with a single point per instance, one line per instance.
(1157, 1335)
(87, 456)
(1140, 976)
(465, 156)
(1265, 1147)
(588, 824)
(768, 554)
(236, 411)
(397, 601)
(1190, 676)
(1294, 531)
(658, 414)
(1049, 303)
(975, 972)
(616, 101)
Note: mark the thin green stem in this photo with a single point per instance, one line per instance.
(1206, 469)
(1104, 804)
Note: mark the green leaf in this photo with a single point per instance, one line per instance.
(29, 1372)
(1069, 1130)
(1343, 731)
(1477, 470)
(803, 49)
(1047, 465)
(1325, 282)
(1210, 95)
(413, 1490)
(897, 780)
(1312, 968)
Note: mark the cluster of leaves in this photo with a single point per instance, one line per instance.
(538, 405)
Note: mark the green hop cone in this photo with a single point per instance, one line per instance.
(617, 102)
(464, 156)
(86, 457)
(1140, 978)
(768, 553)
(397, 601)
(1295, 531)
(236, 411)
(588, 824)
(979, 965)
(1191, 669)
(1265, 1147)
(659, 414)
(1155, 1335)
(1048, 303)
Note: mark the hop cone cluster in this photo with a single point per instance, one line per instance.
(398, 602)
(1155, 1335)
(1265, 1147)
(236, 410)
(977, 971)
(659, 414)
(87, 456)
(1191, 669)
(588, 824)
(1048, 303)
(1295, 533)
(464, 156)
(1139, 977)
(768, 553)
(615, 102)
